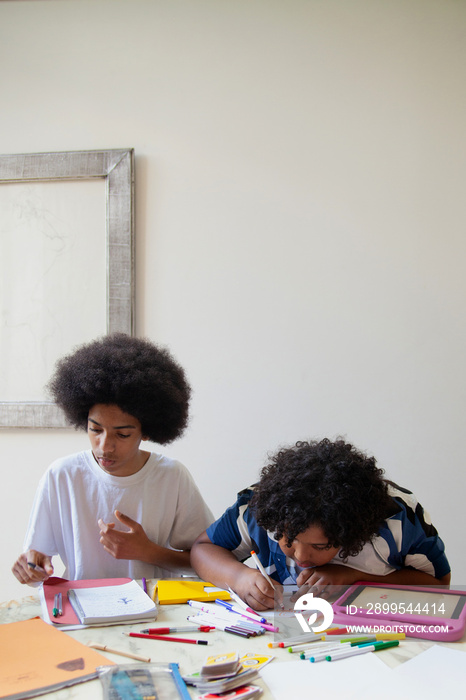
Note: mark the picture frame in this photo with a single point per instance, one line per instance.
(116, 168)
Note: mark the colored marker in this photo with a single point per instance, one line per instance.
(166, 638)
(222, 613)
(224, 626)
(144, 585)
(221, 623)
(169, 630)
(377, 646)
(241, 611)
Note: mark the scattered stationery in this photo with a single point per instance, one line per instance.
(134, 682)
(37, 659)
(172, 592)
(123, 603)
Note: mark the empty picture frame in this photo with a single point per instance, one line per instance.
(116, 168)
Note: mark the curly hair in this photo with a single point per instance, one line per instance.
(329, 484)
(139, 377)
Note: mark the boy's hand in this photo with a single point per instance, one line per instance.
(132, 544)
(326, 581)
(32, 567)
(255, 590)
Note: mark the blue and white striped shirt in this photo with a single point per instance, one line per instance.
(407, 538)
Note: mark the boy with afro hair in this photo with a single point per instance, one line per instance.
(116, 510)
(321, 515)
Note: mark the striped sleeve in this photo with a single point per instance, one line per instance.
(412, 538)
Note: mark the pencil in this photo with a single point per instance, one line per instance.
(265, 574)
(104, 647)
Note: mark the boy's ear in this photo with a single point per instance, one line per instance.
(144, 438)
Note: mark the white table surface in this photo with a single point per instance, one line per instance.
(189, 657)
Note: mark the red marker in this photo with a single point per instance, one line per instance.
(166, 638)
(336, 630)
(169, 630)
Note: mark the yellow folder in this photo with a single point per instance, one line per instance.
(172, 591)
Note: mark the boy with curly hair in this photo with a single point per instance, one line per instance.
(321, 515)
(116, 510)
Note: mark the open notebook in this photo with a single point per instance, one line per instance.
(97, 602)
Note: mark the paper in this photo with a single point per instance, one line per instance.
(330, 680)
(37, 658)
(111, 603)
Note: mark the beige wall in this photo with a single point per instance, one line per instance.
(300, 178)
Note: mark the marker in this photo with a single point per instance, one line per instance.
(224, 626)
(338, 630)
(236, 622)
(144, 585)
(265, 574)
(240, 610)
(228, 615)
(169, 630)
(104, 647)
(363, 648)
(165, 638)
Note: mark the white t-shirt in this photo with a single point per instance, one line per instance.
(75, 492)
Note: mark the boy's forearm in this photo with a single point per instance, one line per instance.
(408, 577)
(215, 564)
(171, 559)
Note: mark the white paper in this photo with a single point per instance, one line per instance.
(334, 680)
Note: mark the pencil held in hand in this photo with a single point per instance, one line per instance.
(267, 577)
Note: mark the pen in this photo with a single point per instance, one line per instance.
(166, 638)
(36, 567)
(169, 630)
(265, 574)
(104, 647)
(57, 610)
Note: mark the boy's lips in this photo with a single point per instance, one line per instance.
(105, 461)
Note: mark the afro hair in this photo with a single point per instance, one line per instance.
(139, 377)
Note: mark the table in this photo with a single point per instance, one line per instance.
(189, 657)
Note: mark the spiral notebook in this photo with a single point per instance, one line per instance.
(97, 602)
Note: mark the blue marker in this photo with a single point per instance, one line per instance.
(233, 608)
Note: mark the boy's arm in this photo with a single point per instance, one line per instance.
(220, 567)
(340, 575)
(134, 544)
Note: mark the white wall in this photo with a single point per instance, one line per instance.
(300, 176)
